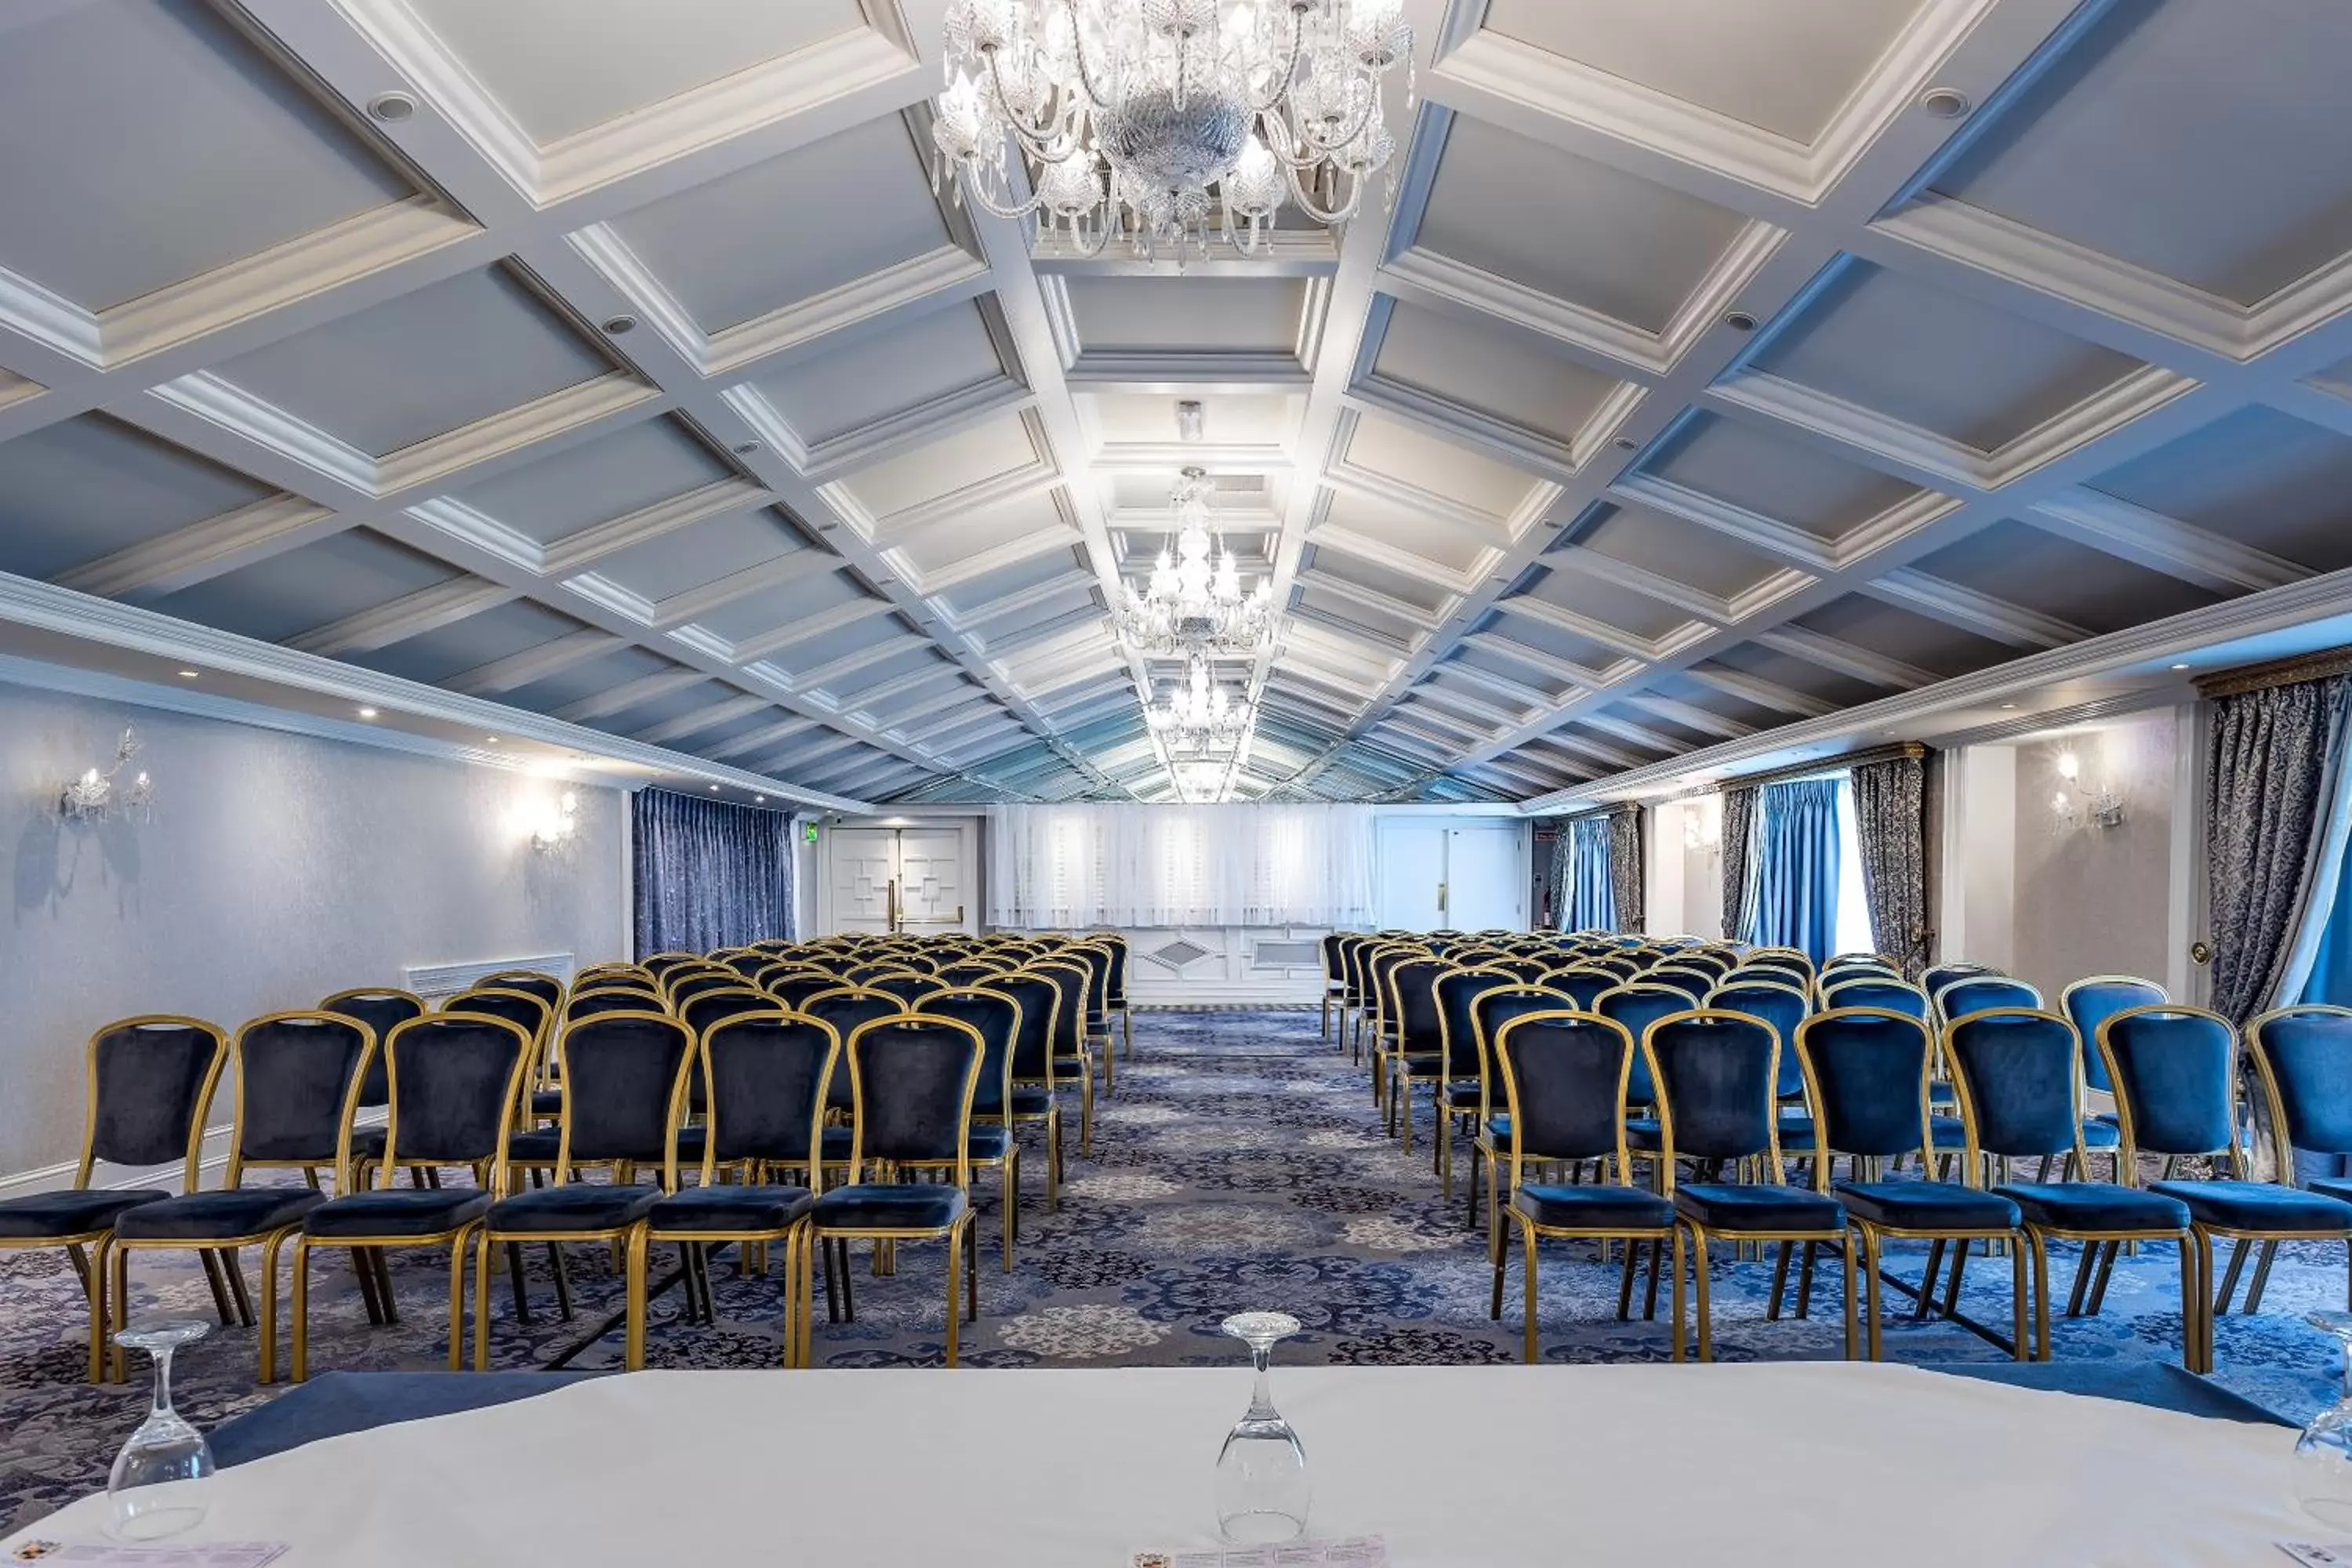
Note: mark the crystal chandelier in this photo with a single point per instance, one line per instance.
(1193, 600)
(95, 796)
(1126, 112)
(1200, 716)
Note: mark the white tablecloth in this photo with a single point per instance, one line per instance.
(1822, 1465)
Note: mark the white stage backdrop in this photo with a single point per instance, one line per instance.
(1135, 866)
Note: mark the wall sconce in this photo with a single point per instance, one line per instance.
(1702, 826)
(554, 832)
(2074, 807)
(95, 796)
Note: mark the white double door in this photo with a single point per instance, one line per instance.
(1435, 875)
(898, 879)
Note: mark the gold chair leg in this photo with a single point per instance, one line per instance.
(955, 1290)
(300, 1371)
(808, 1246)
(2023, 1350)
(638, 1250)
(482, 1300)
(2041, 1249)
(100, 1261)
(119, 1304)
(1053, 1159)
(2196, 1328)
(1699, 1280)
(1847, 1250)
(268, 1347)
(1675, 1294)
(457, 1299)
(1870, 1296)
(1008, 1218)
(791, 1287)
(1527, 1257)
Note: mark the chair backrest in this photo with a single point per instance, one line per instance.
(1331, 948)
(298, 1076)
(703, 1010)
(1865, 1073)
(2092, 1001)
(1582, 982)
(531, 981)
(907, 985)
(912, 1079)
(1884, 992)
(1040, 999)
(150, 1082)
(1976, 992)
(748, 962)
(611, 999)
(1072, 979)
(1115, 946)
(683, 987)
(1783, 958)
(379, 1007)
(496, 1002)
(1637, 1004)
(663, 962)
(1458, 990)
(794, 989)
(457, 1078)
(845, 1006)
(1939, 975)
(2304, 1057)
(873, 969)
(1693, 984)
(1781, 1006)
(997, 1016)
(765, 1079)
(1714, 1074)
(1413, 994)
(2175, 1072)
(971, 971)
(1564, 1074)
(2019, 1075)
(1377, 965)
(1491, 1009)
(624, 1091)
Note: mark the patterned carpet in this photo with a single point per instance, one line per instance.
(1242, 1165)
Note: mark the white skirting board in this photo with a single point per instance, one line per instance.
(432, 981)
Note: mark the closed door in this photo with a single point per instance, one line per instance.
(1411, 875)
(1483, 888)
(896, 879)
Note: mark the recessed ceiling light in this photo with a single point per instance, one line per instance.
(616, 325)
(493, 740)
(2181, 666)
(745, 449)
(187, 675)
(2007, 705)
(1625, 444)
(367, 712)
(1739, 321)
(1945, 102)
(392, 107)
(759, 800)
(714, 789)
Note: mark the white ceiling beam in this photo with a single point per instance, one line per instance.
(703, 719)
(1845, 658)
(1973, 612)
(1762, 693)
(630, 694)
(517, 670)
(411, 615)
(201, 551)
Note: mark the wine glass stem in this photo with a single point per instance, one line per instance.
(1262, 1390)
(162, 1356)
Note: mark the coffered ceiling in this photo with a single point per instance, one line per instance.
(1721, 374)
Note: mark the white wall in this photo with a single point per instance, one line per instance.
(1976, 912)
(277, 868)
(2092, 900)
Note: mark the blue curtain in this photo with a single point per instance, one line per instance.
(2331, 966)
(708, 874)
(1795, 902)
(1591, 901)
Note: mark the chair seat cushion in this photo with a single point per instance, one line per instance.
(2095, 1206)
(1601, 1205)
(547, 1102)
(239, 1211)
(1795, 1133)
(1927, 1205)
(1745, 1205)
(1948, 1132)
(539, 1146)
(398, 1210)
(575, 1206)
(1644, 1134)
(725, 1208)
(367, 1142)
(1031, 1099)
(1420, 1063)
(989, 1141)
(1497, 1134)
(2101, 1133)
(1462, 1096)
(1941, 1093)
(70, 1213)
(883, 1205)
(2259, 1205)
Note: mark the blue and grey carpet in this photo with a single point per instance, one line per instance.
(1241, 1165)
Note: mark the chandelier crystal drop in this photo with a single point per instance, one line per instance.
(1194, 599)
(1199, 717)
(1165, 120)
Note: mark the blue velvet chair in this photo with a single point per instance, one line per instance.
(531, 981)
(765, 1079)
(1793, 961)
(298, 1076)
(589, 1001)
(2303, 1058)
(661, 964)
(1115, 990)
(1035, 1098)
(1462, 1093)
(1352, 989)
(1381, 1008)
(907, 986)
(535, 1015)
(381, 1008)
(1938, 975)
(1714, 1073)
(455, 1079)
(1978, 992)
(793, 990)
(1072, 1053)
(678, 988)
(1582, 983)
(997, 1016)
(700, 1012)
(1564, 1074)
(1333, 950)
(1637, 1005)
(624, 1095)
(1097, 958)
(149, 1080)
(2018, 1071)
(1693, 984)
(913, 1081)
(2176, 1074)
(1490, 1141)
(1783, 1007)
(1416, 1053)
(2091, 1001)
(1867, 1077)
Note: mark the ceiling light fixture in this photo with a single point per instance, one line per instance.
(191, 674)
(616, 325)
(1120, 115)
(2181, 666)
(1191, 419)
(1945, 102)
(1198, 718)
(367, 712)
(1739, 321)
(1193, 602)
(745, 449)
(392, 107)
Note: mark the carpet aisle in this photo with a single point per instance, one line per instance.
(1241, 1165)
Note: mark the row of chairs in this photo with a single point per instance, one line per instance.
(1568, 1074)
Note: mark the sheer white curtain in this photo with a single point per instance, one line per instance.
(1140, 866)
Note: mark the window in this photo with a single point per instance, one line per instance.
(1853, 920)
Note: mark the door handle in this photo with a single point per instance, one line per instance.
(1441, 899)
(891, 908)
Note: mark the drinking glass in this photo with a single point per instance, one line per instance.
(1262, 1486)
(159, 1485)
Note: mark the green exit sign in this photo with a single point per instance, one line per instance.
(808, 832)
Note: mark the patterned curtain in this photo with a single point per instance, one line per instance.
(1556, 877)
(1592, 902)
(708, 874)
(2273, 768)
(1797, 866)
(1739, 834)
(1625, 865)
(1890, 823)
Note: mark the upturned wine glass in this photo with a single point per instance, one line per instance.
(1262, 1484)
(161, 1483)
